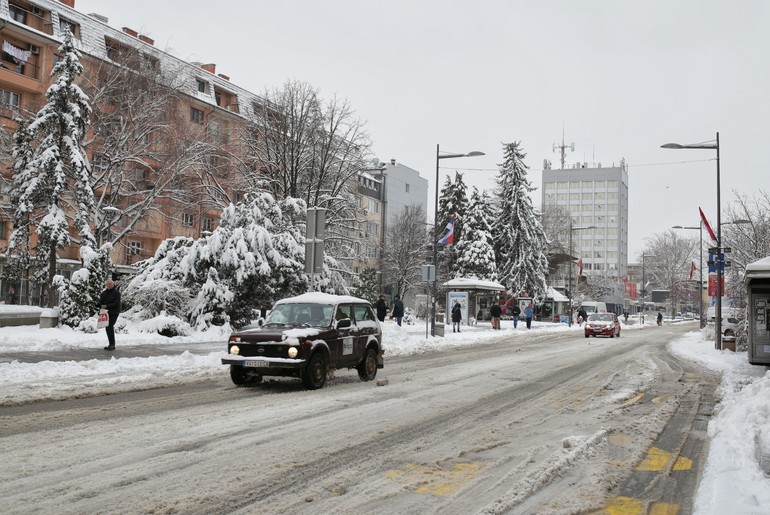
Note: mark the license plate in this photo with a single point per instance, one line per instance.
(257, 363)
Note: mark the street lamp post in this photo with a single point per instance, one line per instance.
(641, 311)
(719, 261)
(573, 228)
(700, 271)
(437, 228)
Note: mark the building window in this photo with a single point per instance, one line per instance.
(201, 85)
(372, 229)
(371, 251)
(187, 219)
(207, 224)
(2, 230)
(9, 98)
(134, 248)
(18, 14)
(65, 25)
(406, 187)
(196, 115)
(374, 206)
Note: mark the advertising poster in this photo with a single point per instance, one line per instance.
(462, 298)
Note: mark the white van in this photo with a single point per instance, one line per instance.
(593, 307)
(729, 319)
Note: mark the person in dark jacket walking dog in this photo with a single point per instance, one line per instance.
(110, 299)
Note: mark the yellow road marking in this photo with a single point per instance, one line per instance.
(633, 400)
(664, 508)
(436, 480)
(625, 506)
(656, 459)
(682, 463)
(631, 506)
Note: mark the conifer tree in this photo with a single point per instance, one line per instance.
(52, 171)
(367, 285)
(475, 253)
(453, 201)
(520, 242)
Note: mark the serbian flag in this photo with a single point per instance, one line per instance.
(580, 266)
(706, 224)
(449, 235)
(692, 270)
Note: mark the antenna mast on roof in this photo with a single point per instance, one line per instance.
(563, 148)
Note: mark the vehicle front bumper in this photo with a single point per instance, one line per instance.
(261, 362)
(601, 331)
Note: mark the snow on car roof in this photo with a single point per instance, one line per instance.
(320, 298)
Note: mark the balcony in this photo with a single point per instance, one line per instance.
(31, 16)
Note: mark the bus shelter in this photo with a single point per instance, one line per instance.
(757, 281)
(481, 295)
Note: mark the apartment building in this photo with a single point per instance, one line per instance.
(210, 108)
(383, 193)
(593, 196)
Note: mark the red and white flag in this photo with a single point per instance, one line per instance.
(692, 270)
(580, 266)
(449, 235)
(706, 224)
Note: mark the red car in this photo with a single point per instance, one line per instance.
(606, 324)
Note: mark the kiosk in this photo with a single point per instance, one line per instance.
(757, 281)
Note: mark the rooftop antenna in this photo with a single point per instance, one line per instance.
(563, 148)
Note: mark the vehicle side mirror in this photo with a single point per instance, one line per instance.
(261, 322)
(345, 322)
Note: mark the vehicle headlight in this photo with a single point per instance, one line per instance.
(235, 349)
(235, 338)
(293, 352)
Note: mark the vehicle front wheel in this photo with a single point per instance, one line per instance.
(367, 369)
(238, 375)
(314, 375)
(587, 335)
(241, 376)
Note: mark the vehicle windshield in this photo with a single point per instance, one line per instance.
(310, 315)
(600, 317)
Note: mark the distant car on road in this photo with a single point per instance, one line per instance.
(604, 324)
(306, 337)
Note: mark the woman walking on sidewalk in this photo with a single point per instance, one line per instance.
(110, 299)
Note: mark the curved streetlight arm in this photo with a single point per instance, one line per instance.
(720, 261)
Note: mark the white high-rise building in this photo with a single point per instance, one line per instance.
(593, 196)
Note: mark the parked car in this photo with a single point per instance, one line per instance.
(606, 324)
(306, 337)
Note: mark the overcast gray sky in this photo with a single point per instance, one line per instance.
(621, 77)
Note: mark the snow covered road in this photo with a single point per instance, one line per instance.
(550, 424)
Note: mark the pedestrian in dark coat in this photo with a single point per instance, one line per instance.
(110, 299)
(457, 316)
(516, 312)
(582, 315)
(496, 311)
(382, 308)
(398, 310)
